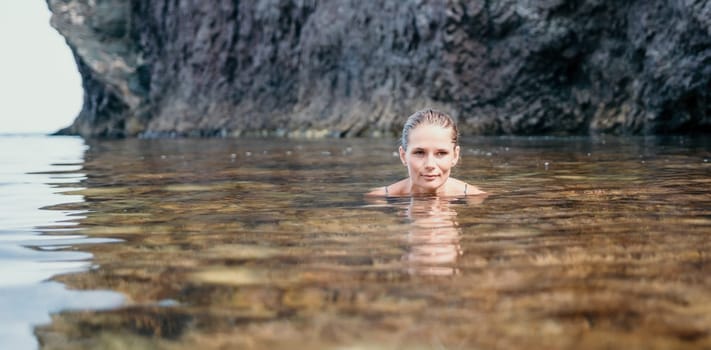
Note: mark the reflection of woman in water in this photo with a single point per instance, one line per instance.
(429, 150)
(433, 239)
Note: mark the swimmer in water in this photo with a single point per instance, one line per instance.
(429, 150)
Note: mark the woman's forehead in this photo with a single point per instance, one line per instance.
(430, 136)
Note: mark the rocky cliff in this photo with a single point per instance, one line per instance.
(358, 68)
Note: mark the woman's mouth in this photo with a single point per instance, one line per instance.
(430, 177)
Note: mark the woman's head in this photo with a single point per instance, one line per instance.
(428, 117)
(429, 150)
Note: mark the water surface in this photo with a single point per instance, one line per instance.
(36, 244)
(269, 243)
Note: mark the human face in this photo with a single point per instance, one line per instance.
(429, 157)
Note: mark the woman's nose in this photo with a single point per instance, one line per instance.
(430, 161)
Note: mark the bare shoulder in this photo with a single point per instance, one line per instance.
(475, 191)
(459, 186)
(377, 192)
(396, 189)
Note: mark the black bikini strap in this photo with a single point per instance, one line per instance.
(465, 189)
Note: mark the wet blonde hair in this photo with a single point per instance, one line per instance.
(428, 117)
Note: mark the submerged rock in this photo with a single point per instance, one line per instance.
(358, 68)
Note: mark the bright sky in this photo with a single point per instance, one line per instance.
(40, 87)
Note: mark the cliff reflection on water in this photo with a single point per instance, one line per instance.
(584, 243)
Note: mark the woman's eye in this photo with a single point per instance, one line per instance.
(419, 153)
(441, 154)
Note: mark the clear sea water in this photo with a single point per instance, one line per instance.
(584, 242)
(37, 244)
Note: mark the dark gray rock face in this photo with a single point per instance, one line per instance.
(359, 68)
